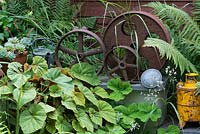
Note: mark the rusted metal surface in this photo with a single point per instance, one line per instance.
(188, 103)
(131, 29)
(96, 47)
(96, 8)
(123, 62)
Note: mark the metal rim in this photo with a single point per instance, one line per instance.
(80, 52)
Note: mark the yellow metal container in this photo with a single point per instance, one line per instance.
(188, 104)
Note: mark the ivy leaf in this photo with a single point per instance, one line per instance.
(120, 89)
(39, 66)
(86, 73)
(79, 98)
(88, 94)
(55, 91)
(95, 116)
(77, 126)
(62, 125)
(63, 81)
(16, 74)
(107, 112)
(68, 102)
(100, 92)
(47, 107)
(27, 95)
(84, 120)
(32, 119)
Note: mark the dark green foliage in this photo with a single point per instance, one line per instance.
(185, 31)
(197, 11)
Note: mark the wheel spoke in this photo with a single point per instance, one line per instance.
(67, 51)
(131, 65)
(93, 52)
(80, 42)
(115, 58)
(113, 69)
(124, 74)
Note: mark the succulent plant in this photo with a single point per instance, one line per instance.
(12, 47)
(15, 45)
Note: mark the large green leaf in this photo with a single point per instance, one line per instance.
(100, 92)
(55, 91)
(62, 125)
(84, 120)
(28, 93)
(116, 96)
(171, 129)
(32, 119)
(47, 107)
(39, 66)
(116, 84)
(50, 126)
(79, 98)
(148, 111)
(115, 129)
(86, 73)
(107, 112)
(17, 75)
(120, 89)
(68, 102)
(95, 116)
(6, 89)
(88, 94)
(77, 126)
(63, 81)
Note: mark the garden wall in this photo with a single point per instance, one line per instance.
(96, 8)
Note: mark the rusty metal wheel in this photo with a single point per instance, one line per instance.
(123, 60)
(79, 45)
(131, 29)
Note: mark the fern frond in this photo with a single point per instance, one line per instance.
(177, 19)
(4, 129)
(171, 53)
(197, 11)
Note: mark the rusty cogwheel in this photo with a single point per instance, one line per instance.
(123, 61)
(80, 45)
(131, 29)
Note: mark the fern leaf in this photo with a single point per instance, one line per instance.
(197, 11)
(177, 19)
(169, 51)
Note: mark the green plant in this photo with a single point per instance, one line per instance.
(135, 117)
(119, 89)
(49, 101)
(13, 47)
(171, 129)
(185, 37)
(3, 128)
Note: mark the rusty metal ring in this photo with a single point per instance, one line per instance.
(80, 52)
(121, 65)
(142, 23)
